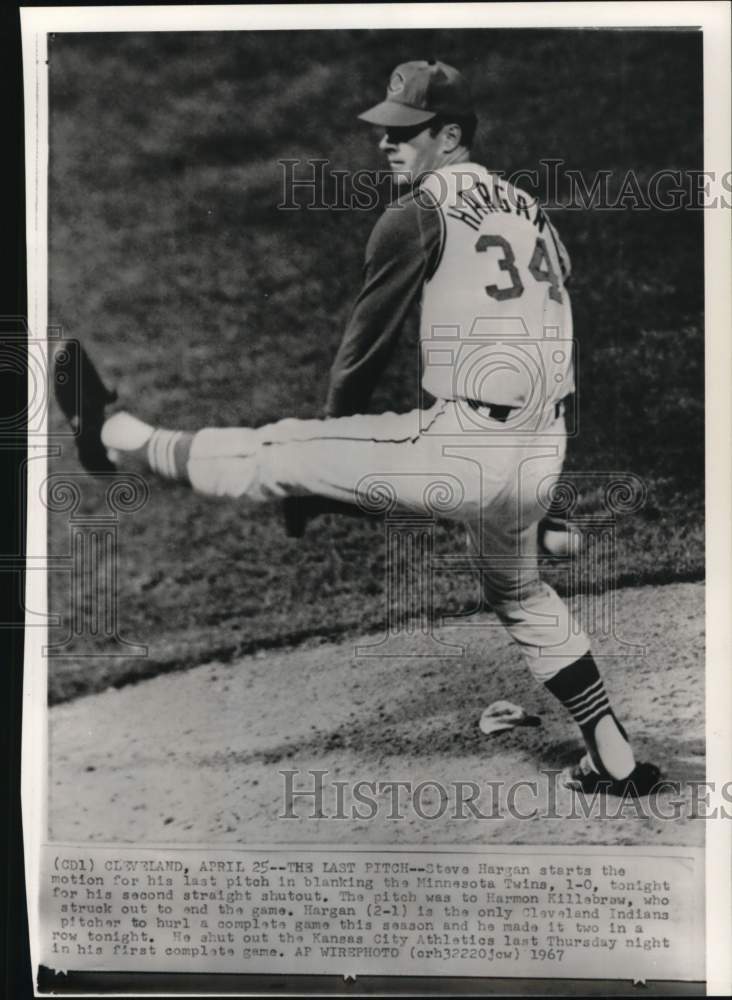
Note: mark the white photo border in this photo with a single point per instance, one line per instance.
(714, 20)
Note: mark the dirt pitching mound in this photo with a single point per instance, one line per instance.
(199, 756)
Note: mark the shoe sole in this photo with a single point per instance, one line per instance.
(638, 784)
(82, 397)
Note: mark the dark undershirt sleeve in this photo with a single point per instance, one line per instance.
(400, 254)
(564, 260)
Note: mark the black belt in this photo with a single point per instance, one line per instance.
(502, 413)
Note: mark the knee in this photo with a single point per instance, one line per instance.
(509, 593)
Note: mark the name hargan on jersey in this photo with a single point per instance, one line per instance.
(496, 320)
(488, 267)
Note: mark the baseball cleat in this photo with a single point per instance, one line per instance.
(584, 778)
(503, 715)
(82, 396)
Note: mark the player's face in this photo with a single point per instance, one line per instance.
(411, 151)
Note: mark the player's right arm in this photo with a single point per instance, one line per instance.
(565, 263)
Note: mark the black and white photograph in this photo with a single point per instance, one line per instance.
(375, 487)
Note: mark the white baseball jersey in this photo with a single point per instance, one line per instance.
(496, 322)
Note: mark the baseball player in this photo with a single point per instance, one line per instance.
(490, 272)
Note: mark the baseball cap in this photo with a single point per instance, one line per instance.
(420, 90)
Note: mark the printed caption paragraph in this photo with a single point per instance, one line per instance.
(592, 912)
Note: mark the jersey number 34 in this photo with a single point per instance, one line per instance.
(540, 267)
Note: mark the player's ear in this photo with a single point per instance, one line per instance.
(452, 136)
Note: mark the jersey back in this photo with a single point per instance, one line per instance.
(496, 321)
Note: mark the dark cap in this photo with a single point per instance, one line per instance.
(418, 91)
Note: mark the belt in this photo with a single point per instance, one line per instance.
(502, 413)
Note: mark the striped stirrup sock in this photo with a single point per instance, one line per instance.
(581, 690)
(589, 705)
(167, 453)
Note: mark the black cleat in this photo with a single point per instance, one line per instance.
(583, 778)
(82, 397)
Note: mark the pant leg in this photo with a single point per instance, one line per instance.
(378, 462)
(406, 461)
(504, 542)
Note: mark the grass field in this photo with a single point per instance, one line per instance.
(205, 304)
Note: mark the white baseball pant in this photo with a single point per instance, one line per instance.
(444, 461)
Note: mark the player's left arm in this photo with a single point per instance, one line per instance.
(399, 256)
